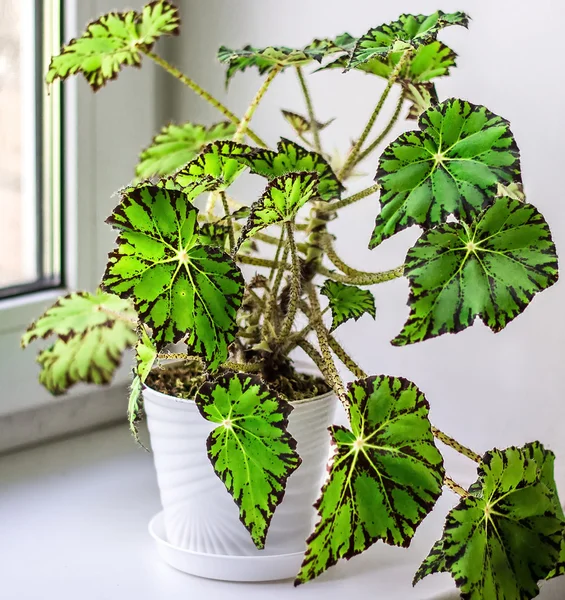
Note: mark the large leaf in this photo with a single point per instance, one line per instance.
(251, 449)
(292, 158)
(115, 40)
(265, 59)
(451, 167)
(218, 162)
(409, 31)
(180, 288)
(280, 202)
(505, 535)
(93, 331)
(175, 145)
(489, 269)
(347, 302)
(384, 478)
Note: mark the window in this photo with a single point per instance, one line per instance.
(30, 148)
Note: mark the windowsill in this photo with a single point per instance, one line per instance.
(74, 524)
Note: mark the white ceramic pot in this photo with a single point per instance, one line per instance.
(200, 520)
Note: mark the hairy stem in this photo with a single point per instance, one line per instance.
(352, 158)
(229, 220)
(375, 144)
(295, 284)
(230, 365)
(340, 352)
(202, 93)
(460, 491)
(315, 356)
(310, 109)
(350, 199)
(452, 443)
(244, 123)
(260, 262)
(330, 370)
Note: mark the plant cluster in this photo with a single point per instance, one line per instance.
(174, 276)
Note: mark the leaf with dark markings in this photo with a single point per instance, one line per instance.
(452, 166)
(491, 269)
(384, 478)
(114, 40)
(250, 449)
(182, 289)
(301, 124)
(347, 302)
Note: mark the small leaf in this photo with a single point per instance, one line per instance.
(265, 59)
(280, 202)
(451, 167)
(559, 568)
(301, 124)
(421, 96)
(347, 302)
(433, 563)
(114, 40)
(384, 478)
(218, 162)
(489, 269)
(180, 288)
(175, 145)
(409, 31)
(93, 332)
(251, 449)
(500, 540)
(292, 158)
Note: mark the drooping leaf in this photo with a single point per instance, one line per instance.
(301, 124)
(324, 47)
(280, 202)
(180, 288)
(218, 162)
(175, 145)
(384, 478)
(292, 158)
(559, 568)
(93, 331)
(114, 40)
(347, 302)
(421, 97)
(505, 535)
(409, 31)
(265, 59)
(433, 563)
(451, 167)
(251, 449)
(489, 269)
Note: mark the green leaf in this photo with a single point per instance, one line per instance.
(280, 202)
(251, 449)
(504, 536)
(490, 269)
(559, 568)
(347, 302)
(93, 331)
(292, 158)
(451, 167)
(180, 288)
(175, 145)
(301, 124)
(421, 97)
(409, 31)
(218, 162)
(145, 355)
(114, 40)
(433, 563)
(265, 59)
(384, 478)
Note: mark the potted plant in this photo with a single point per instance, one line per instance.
(233, 413)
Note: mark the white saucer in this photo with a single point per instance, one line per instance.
(225, 568)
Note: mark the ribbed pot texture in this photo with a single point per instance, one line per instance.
(199, 513)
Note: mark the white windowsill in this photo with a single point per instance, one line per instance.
(74, 524)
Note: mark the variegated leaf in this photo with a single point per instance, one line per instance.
(347, 302)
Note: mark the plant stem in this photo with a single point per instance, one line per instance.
(295, 284)
(455, 487)
(244, 123)
(202, 93)
(384, 132)
(350, 199)
(330, 371)
(315, 356)
(340, 352)
(352, 158)
(310, 109)
(230, 365)
(260, 262)
(452, 443)
(228, 218)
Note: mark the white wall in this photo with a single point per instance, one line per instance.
(485, 389)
